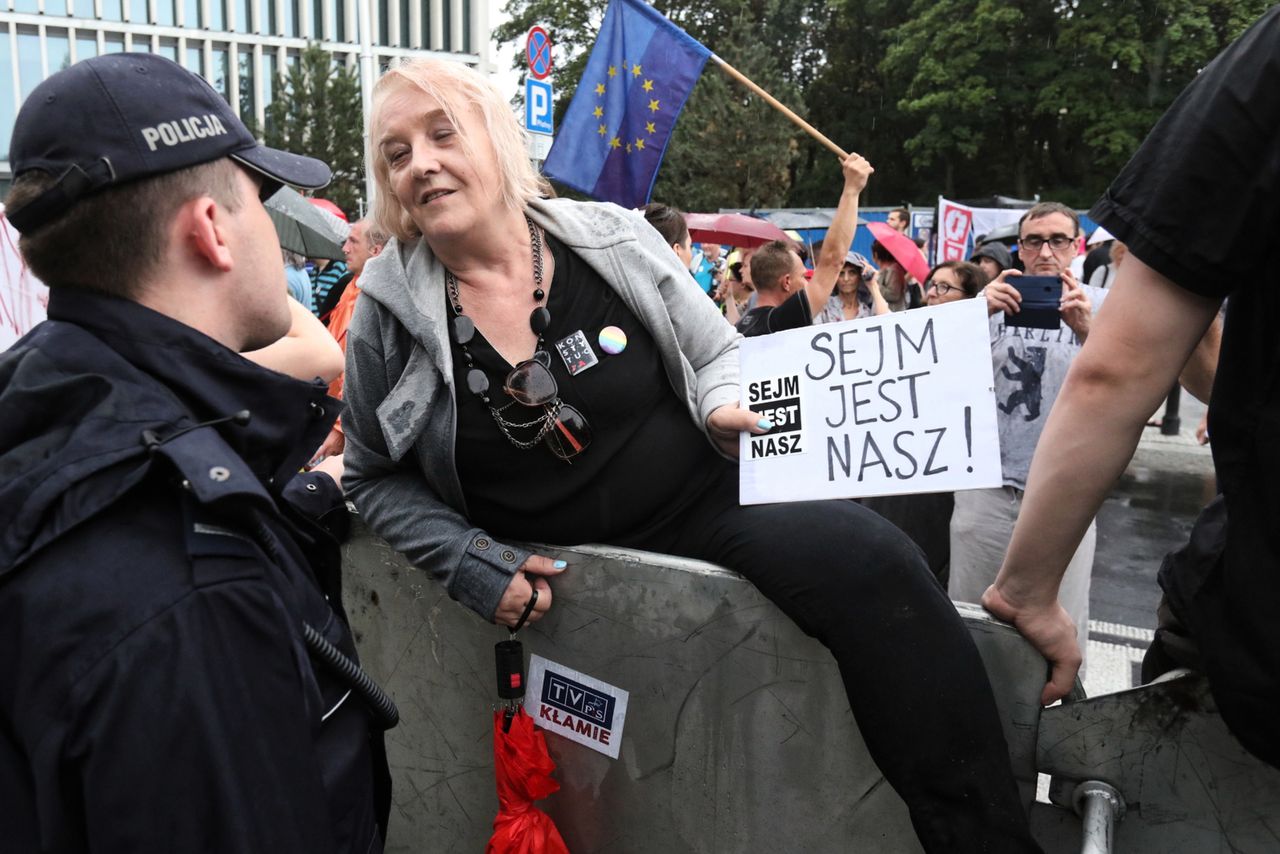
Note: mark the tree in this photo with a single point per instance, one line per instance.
(730, 149)
(961, 97)
(315, 110)
(854, 102)
(1047, 97)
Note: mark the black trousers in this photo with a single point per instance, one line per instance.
(915, 682)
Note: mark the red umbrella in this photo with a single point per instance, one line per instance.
(902, 248)
(326, 205)
(732, 229)
(523, 768)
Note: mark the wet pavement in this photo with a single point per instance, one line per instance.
(1149, 513)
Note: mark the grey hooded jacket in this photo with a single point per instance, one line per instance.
(401, 418)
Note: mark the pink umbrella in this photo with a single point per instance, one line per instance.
(902, 248)
(732, 229)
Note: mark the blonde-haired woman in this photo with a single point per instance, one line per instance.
(523, 369)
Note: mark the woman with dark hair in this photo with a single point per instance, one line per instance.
(953, 280)
(530, 370)
(669, 222)
(891, 279)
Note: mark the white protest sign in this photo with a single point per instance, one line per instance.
(577, 706)
(886, 405)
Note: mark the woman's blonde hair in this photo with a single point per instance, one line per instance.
(456, 87)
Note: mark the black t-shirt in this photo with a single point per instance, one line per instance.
(1200, 203)
(646, 454)
(330, 300)
(794, 313)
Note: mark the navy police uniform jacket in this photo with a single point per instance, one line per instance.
(156, 693)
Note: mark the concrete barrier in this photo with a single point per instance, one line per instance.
(739, 737)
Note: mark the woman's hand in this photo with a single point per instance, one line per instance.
(725, 423)
(528, 577)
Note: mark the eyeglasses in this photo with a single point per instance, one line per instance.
(942, 288)
(561, 427)
(1033, 243)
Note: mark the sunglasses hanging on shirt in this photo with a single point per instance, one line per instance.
(560, 427)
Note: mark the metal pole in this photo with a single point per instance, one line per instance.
(367, 78)
(1100, 806)
(1170, 423)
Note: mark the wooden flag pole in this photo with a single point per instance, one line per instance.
(780, 107)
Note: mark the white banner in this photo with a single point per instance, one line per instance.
(960, 224)
(889, 405)
(23, 298)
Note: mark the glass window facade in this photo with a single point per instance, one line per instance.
(86, 46)
(248, 93)
(166, 14)
(8, 107)
(225, 32)
(58, 46)
(30, 70)
(221, 72)
(217, 15)
(268, 82)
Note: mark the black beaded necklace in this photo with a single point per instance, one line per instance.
(464, 330)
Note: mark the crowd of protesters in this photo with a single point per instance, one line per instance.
(210, 697)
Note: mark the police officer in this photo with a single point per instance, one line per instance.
(177, 669)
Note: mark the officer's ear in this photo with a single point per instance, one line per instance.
(200, 224)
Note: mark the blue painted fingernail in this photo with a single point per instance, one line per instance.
(560, 564)
(764, 424)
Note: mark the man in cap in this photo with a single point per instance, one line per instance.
(164, 603)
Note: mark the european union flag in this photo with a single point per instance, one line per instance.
(638, 77)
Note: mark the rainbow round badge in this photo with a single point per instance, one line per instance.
(612, 340)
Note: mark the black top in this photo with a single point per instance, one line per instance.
(646, 454)
(794, 313)
(1200, 203)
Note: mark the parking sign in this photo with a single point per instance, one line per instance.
(537, 106)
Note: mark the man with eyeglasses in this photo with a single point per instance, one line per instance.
(1030, 365)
